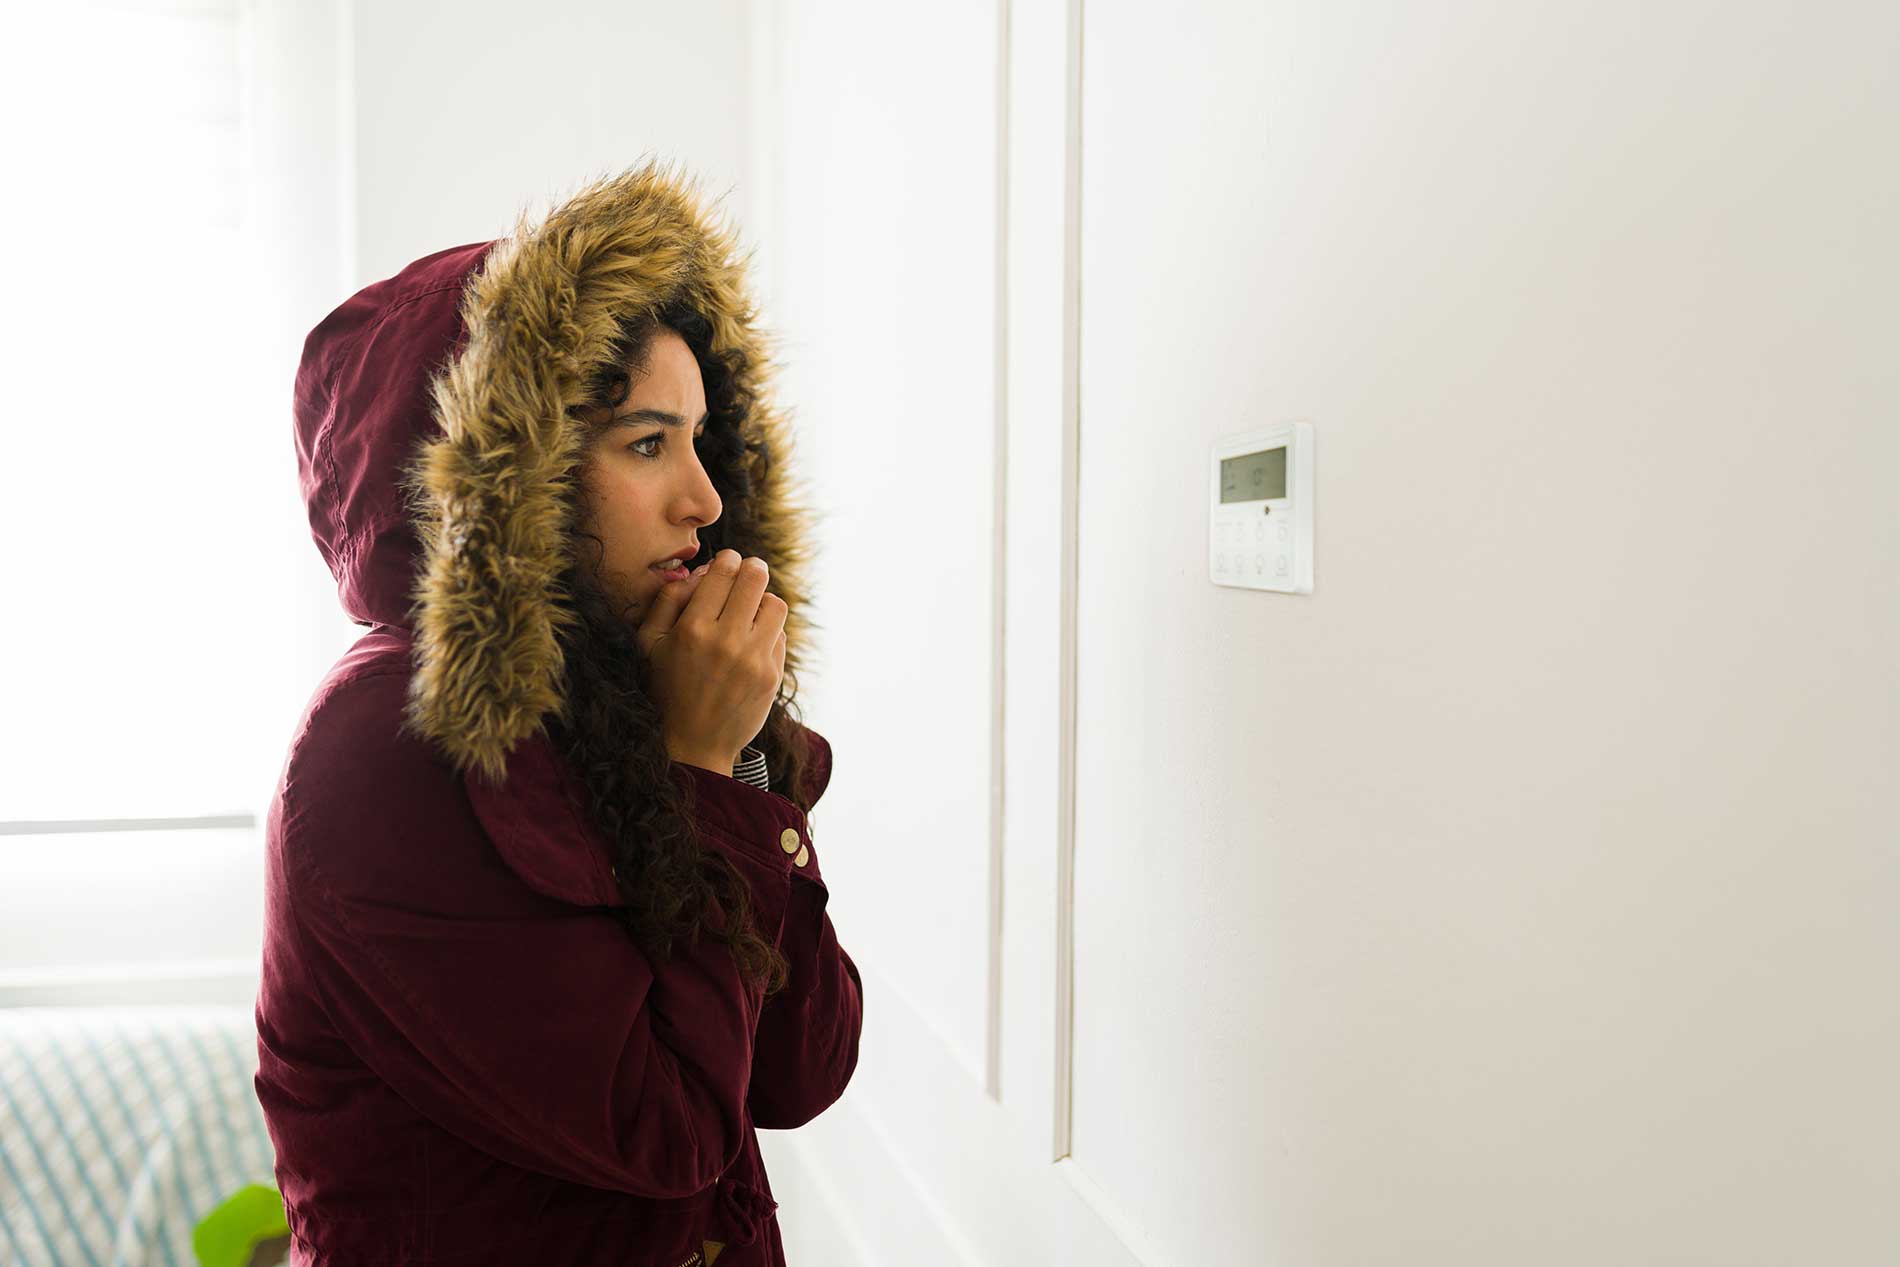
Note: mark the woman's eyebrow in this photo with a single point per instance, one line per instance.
(661, 416)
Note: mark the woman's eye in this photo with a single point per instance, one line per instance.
(639, 446)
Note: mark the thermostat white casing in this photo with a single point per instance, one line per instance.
(1260, 509)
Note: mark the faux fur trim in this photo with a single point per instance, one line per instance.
(485, 497)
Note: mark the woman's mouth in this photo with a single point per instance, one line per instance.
(679, 573)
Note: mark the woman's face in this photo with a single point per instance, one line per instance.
(642, 484)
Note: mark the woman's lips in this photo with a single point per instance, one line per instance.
(674, 574)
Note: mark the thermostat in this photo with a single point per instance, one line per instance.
(1260, 509)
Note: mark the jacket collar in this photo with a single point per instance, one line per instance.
(533, 817)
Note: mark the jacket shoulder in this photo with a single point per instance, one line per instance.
(355, 726)
(364, 804)
(375, 808)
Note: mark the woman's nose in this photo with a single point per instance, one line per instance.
(700, 491)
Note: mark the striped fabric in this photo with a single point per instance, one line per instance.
(121, 1128)
(750, 767)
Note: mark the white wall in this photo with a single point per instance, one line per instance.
(467, 113)
(885, 249)
(1524, 894)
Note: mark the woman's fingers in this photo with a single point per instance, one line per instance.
(730, 589)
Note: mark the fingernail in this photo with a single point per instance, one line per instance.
(700, 570)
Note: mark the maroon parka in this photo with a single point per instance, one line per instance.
(463, 1057)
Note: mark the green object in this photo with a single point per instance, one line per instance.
(228, 1236)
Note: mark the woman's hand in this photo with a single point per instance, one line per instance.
(716, 644)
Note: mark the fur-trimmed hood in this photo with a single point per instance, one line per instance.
(434, 441)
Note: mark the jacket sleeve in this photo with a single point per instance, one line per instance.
(533, 1029)
(806, 1045)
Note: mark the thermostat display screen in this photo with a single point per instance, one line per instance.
(1250, 477)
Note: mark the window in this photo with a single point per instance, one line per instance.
(144, 436)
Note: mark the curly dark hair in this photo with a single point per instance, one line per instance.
(609, 724)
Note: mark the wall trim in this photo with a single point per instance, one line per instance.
(999, 568)
(1066, 707)
(220, 981)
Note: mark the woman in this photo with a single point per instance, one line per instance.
(546, 936)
